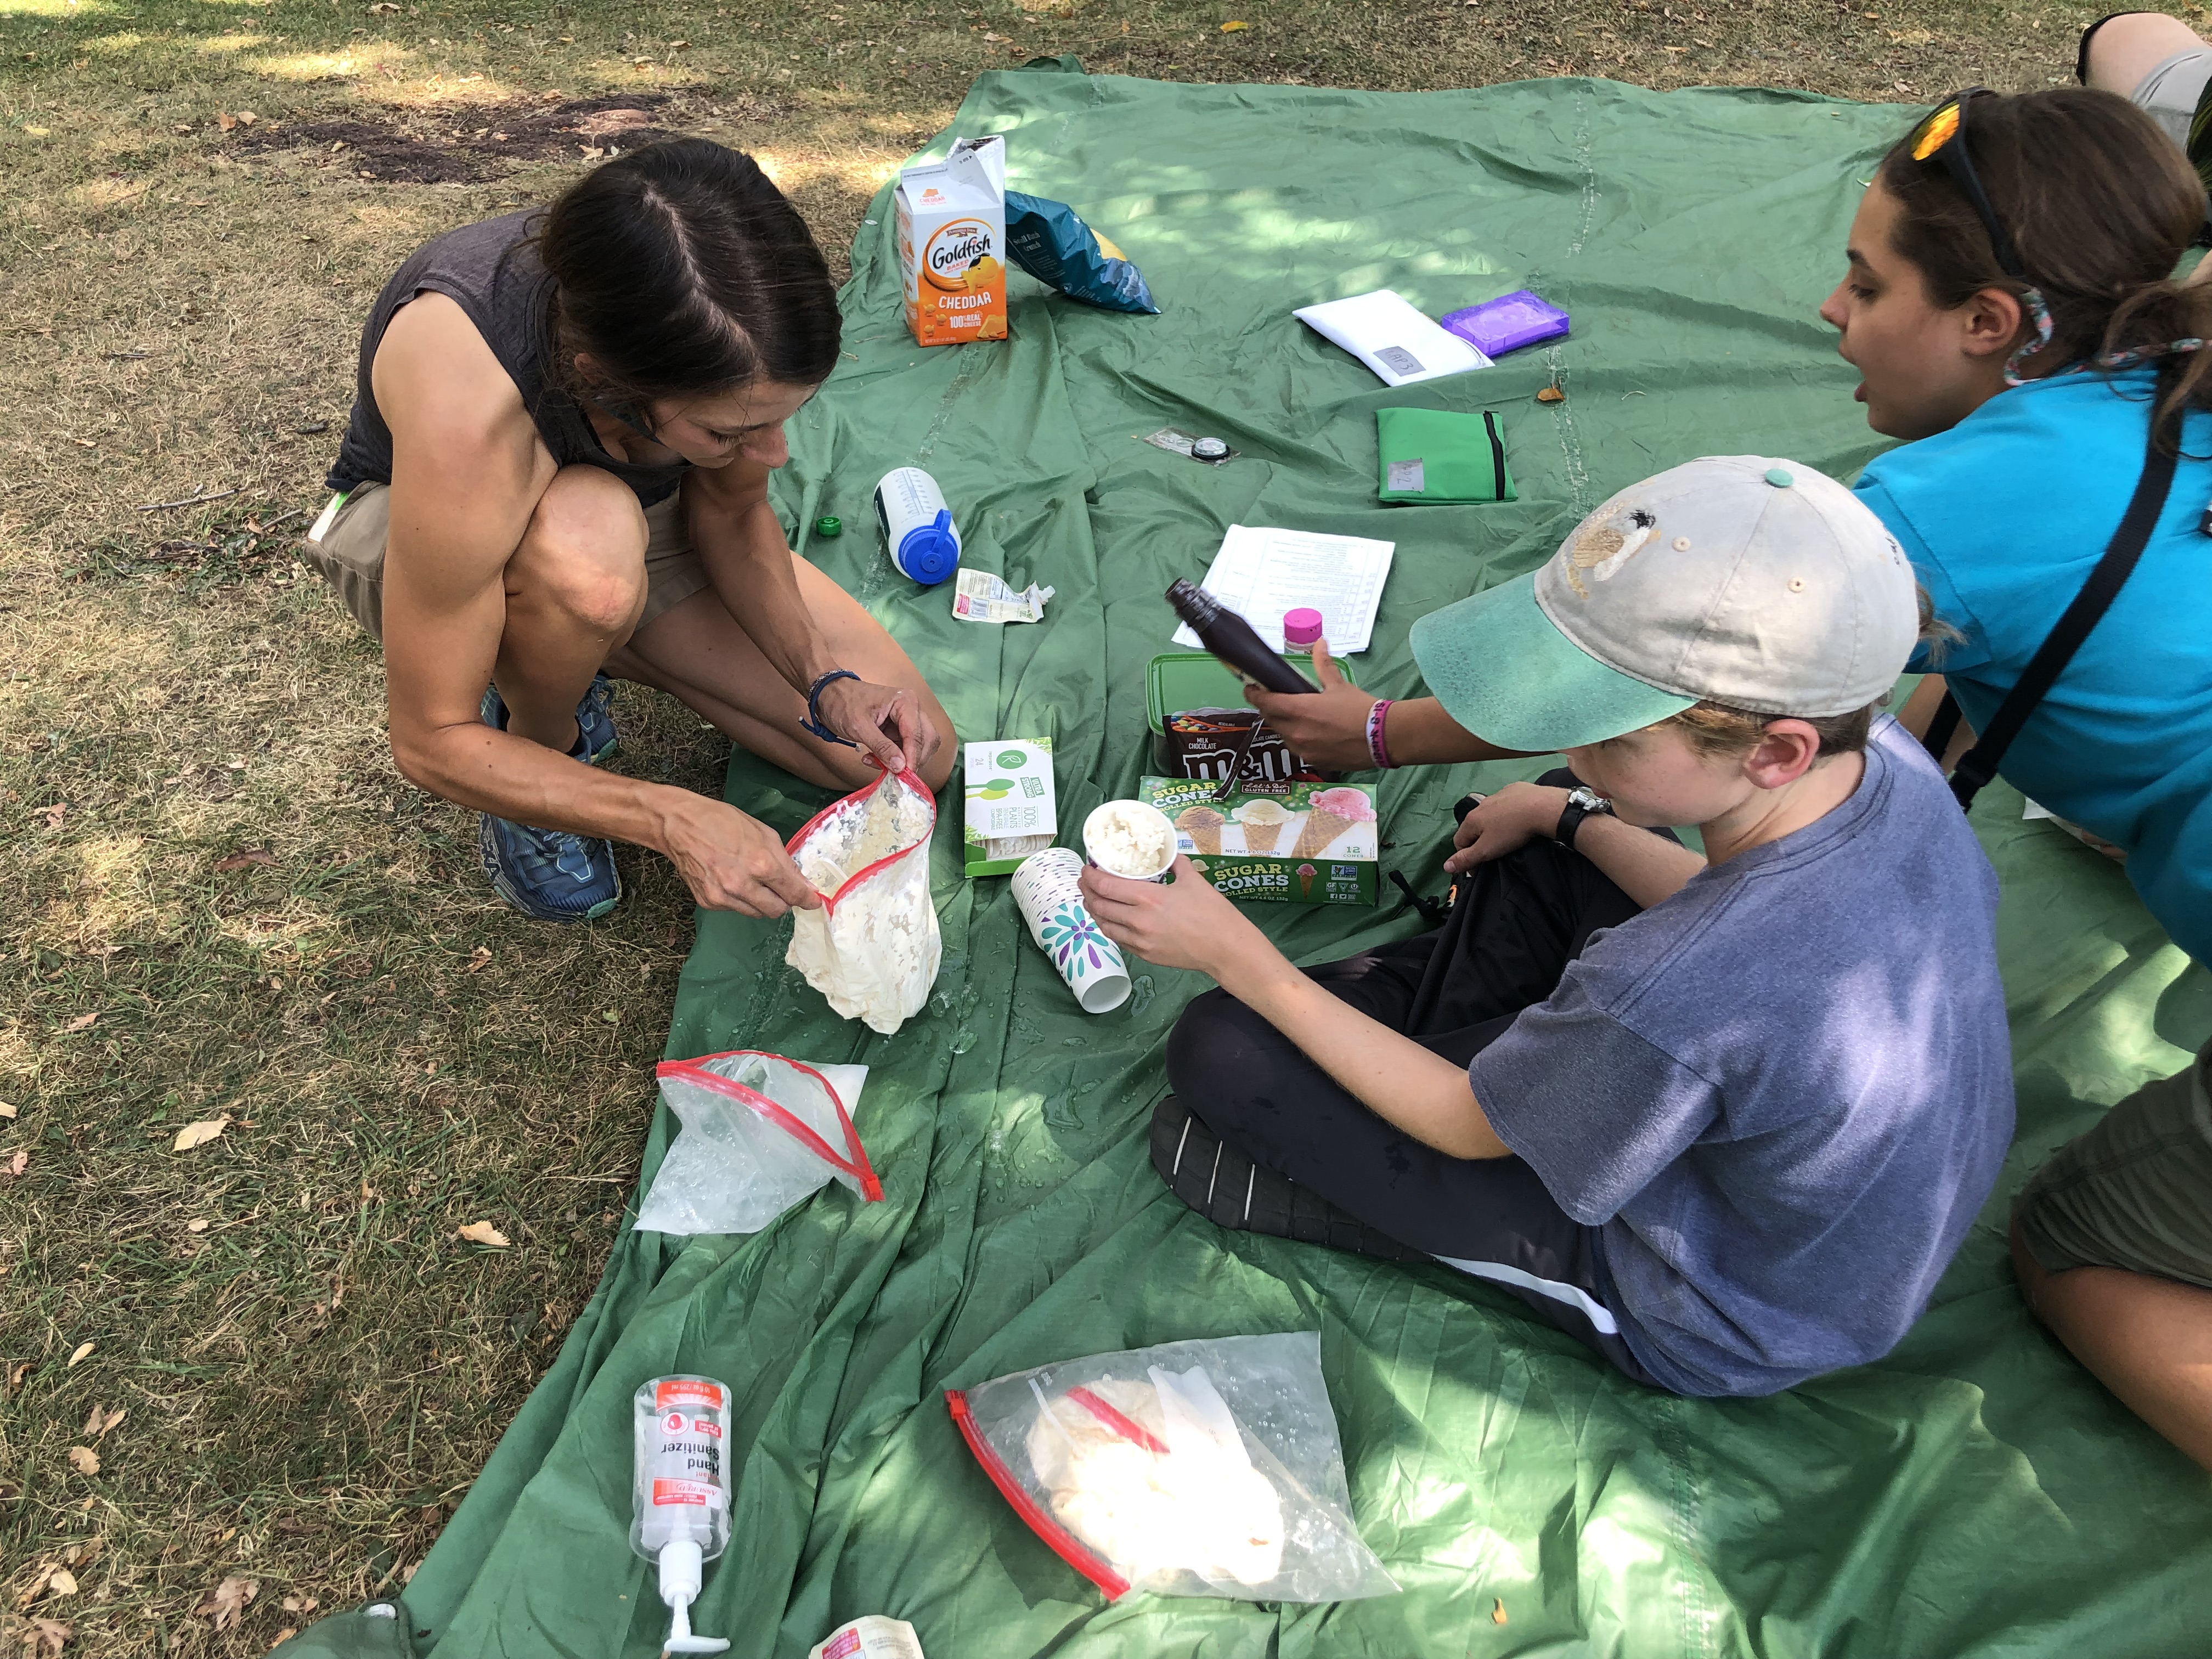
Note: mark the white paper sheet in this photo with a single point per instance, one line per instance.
(1385, 333)
(1261, 573)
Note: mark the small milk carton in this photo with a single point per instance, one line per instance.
(952, 244)
(1009, 804)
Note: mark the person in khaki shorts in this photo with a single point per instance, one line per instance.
(555, 474)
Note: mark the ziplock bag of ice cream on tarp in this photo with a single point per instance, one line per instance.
(873, 946)
(760, 1133)
(1208, 1468)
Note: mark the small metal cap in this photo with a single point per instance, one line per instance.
(1208, 449)
(828, 525)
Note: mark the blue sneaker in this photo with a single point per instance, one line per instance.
(595, 720)
(549, 875)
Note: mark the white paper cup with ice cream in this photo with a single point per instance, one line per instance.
(1128, 838)
(1047, 886)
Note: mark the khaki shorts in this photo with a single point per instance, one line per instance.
(349, 556)
(2135, 1192)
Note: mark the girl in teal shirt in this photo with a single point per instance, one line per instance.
(2008, 305)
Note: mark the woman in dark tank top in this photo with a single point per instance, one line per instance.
(555, 475)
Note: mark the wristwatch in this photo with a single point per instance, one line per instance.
(1582, 801)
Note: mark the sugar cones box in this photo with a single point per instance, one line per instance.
(1301, 843)
(952, 244)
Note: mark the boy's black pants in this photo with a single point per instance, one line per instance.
(1517, 923)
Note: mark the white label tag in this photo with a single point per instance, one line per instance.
(1409, 475)
(1404, 361)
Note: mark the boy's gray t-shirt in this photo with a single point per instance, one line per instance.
(1781, 1095)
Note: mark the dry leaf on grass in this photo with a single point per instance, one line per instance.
(195, 1226)
(240, 860)
(53, 814)
(82, 1350)
(47, 1635)
(225, 120)
(199, 1135)
(84, 1460)
(227, 1601)
(482, 1233)
(100, 1421)
(6, 1110)
(1231, 27)
(81, 1023)
(61, 1582)
(38, 1584)
(18, 1164)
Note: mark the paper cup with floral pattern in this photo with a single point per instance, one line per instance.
(1047, 887)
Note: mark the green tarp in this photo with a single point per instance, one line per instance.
(1975, 1493)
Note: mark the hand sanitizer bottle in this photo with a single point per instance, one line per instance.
(681, 1496)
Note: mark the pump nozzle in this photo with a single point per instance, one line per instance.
(682, 1565)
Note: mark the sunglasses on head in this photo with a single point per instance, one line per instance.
(1941, 140)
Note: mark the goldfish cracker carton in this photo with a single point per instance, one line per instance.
(952, 244)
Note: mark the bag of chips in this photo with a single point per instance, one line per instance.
(873, 946)
(1049, 241)
(1192, 1469)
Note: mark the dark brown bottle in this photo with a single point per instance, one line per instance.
(1231, 638)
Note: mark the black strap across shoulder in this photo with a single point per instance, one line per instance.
(1980, 764)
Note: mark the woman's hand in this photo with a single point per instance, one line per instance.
(1185, 924)
(1330, 729)
(886, 720)
(733, 862)
(1504, 822)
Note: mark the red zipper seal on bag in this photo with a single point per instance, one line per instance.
(912, 780)
(1057, 1538)
(854, 1160)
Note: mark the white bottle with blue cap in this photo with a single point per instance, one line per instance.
(917, 525)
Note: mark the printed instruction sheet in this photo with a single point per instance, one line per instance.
(1261, 573)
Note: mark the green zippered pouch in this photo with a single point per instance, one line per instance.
(1437, 455)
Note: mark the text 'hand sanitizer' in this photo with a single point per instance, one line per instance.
(680, 1498)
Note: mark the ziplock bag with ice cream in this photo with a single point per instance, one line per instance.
(873, 946)
(1192, 1469)
(760, 1133)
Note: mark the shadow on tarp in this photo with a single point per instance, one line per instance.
(1976, 1493)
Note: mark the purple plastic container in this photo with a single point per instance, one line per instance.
(1508, 323)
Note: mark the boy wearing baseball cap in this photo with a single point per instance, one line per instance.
(1725, 1118)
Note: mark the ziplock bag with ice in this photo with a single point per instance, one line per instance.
(760, 1133)
(1192, 1469)
(873, 947)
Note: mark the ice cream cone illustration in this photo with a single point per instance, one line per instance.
(1334, 811)
(1203, 825)
(1263, 821)
(1306, 873)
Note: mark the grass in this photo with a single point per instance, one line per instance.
(226, 902)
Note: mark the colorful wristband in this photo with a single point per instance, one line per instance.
(1376, 716)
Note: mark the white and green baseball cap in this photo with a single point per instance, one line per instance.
(1747, 580)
